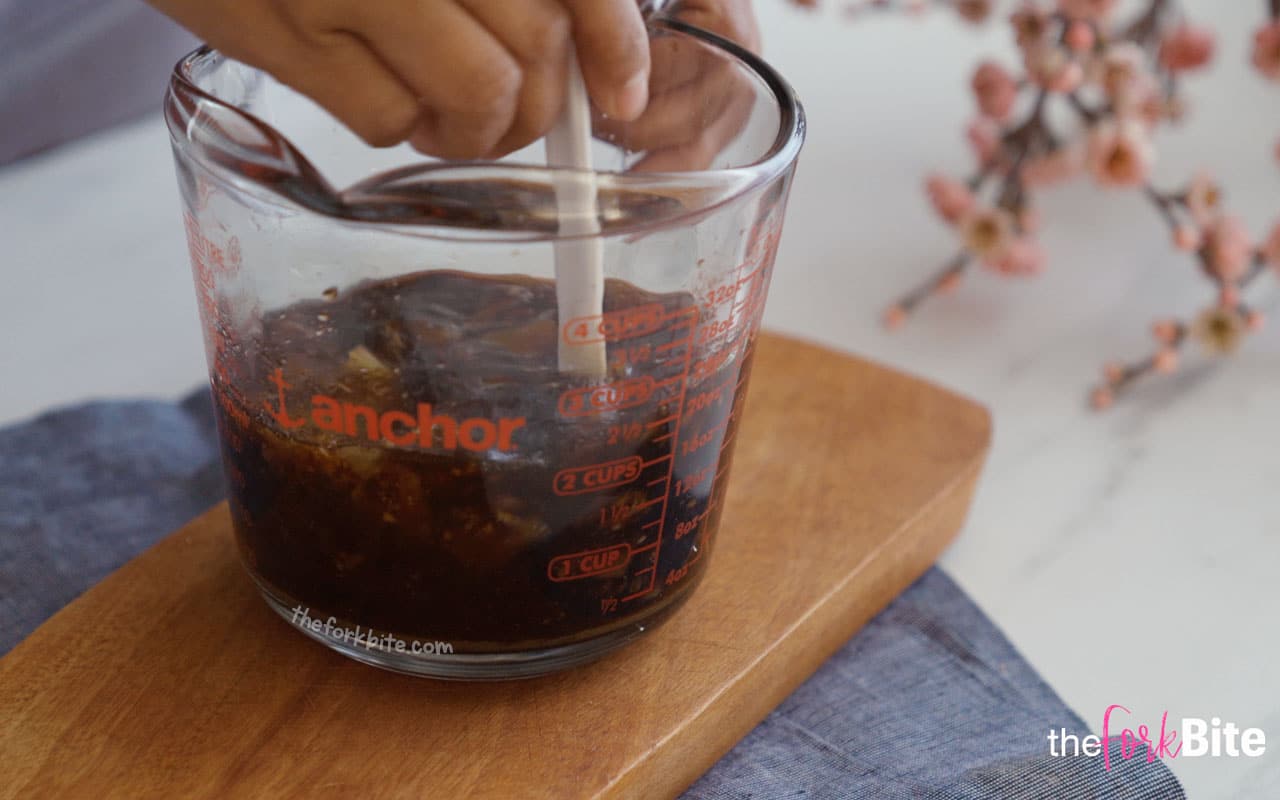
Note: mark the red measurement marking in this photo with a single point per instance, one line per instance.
(625, 434)
(703, 400)
(695, 443)
(711, 364)
(618, 512)
(683, 529)
(714, 330)
(669, 346)
(598, 477)
(590, 400)
(637, 354)
(615, 326)
(588, 564)
(686, 485)
(676, 575)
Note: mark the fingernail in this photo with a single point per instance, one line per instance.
(631, 101)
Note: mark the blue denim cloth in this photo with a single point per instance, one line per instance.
(928, 701)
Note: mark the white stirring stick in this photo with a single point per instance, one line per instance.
(579, 261)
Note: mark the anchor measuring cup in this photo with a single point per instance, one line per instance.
(413, 481)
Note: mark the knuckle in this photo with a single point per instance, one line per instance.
(490, 84)
(311, 19)
(550, 35)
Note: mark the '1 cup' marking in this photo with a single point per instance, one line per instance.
(592, 562)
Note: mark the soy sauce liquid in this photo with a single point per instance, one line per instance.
(394, 464)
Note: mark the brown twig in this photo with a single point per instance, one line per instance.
(1143, 29)
(955, 267)
(1164, 204)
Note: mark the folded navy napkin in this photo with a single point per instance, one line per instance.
(928, 701)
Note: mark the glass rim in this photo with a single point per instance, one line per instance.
(724, 185)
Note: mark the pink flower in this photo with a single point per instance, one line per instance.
(1030, 23)
(974, 11)
(1228, 249)
(1167, 331)
(1060, 165)
(1053, 68)
(1080, 36)
(987, 233)
(1204, 199)
(984, 138)
(1142, 100)
(1120, 154)
(995, 89)
(1120, 68)
(1166, 361)
(1271, 249)
(951, 198)
(1187, 47)
(1266, 50)
(1220, 330)
(1022, 257)
(1087, 9)
(1102, 399)
(1187, 238)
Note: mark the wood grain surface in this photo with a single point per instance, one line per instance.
(172, 679)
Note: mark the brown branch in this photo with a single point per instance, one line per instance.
(1089, 115)
(1163, 204)
(1142, 29)
(956, 266)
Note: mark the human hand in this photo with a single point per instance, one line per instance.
(456, 78)
(699, 102)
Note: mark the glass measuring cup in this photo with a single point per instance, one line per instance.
(413, 481)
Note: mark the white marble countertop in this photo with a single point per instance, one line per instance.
(1130, 556)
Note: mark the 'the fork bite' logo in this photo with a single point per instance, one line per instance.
(1193, 738)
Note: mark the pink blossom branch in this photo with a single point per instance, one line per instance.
(1220, 330)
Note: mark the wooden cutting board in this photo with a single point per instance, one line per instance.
(171, 678)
